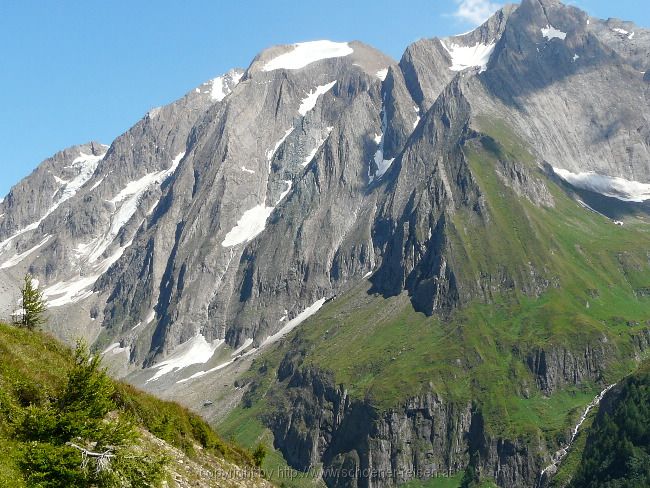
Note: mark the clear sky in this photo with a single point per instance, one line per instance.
(76, 71)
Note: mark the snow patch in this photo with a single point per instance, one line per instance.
(87, 164)
(246, 170)
(306, 53)
(81, 286)
(19, 257)
(550, 32)
(285, 192)
(150, 317)
(575, 57)
(621, 31)
(271, 152)
(611, 186)
(219, 89)
(463, 57)
(235, 355)
(382, 164)
(382, 73)
(71, 291)
(203, 373)
(313, 152)
(309, 102)
(417, 116)
(114, 349)
(219, 86)
(243, 347)
(128, 200)
(295, 322)
(154, 112)
(252, 223)
(195, 351)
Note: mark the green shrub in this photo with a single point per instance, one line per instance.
(259, 454)
(82, 418)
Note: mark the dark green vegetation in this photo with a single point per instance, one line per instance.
(51, 399)
(617, 452)
(33, 305)
(383, 351)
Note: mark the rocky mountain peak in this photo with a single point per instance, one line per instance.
(312, 55)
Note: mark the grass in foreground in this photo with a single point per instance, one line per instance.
(51, 399)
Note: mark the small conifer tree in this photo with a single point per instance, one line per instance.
(33, 307)
(259, 454)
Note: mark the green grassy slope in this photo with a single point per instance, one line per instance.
(33, 374)
(382, 350)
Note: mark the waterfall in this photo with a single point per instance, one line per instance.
(563, 451)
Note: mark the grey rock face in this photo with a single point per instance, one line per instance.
(556, 367)
(239, 168)
(99, 198)
(538, 77)
(227, 213)
(628, 40)
(313, 421)
(559, 367)
(428, 183)
(46, 187)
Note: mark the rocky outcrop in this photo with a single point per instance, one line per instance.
(44, 188)
(641, 342)
(509, 462)
(555, 367)
(315, 422)
(524, 182)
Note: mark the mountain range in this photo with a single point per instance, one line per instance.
(396, 269)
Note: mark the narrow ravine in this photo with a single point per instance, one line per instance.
(562, 452)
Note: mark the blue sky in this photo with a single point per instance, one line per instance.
(77, 71)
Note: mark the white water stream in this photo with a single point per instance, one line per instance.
(560, 454)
